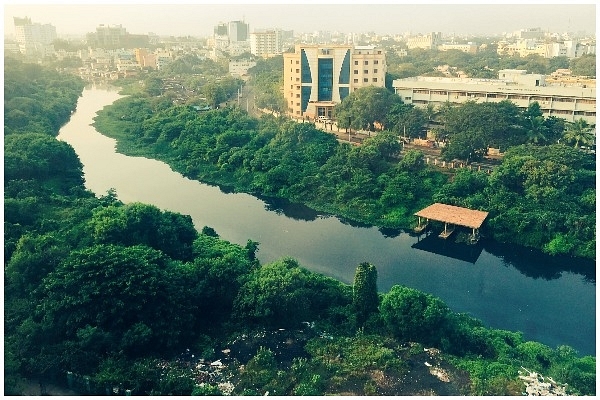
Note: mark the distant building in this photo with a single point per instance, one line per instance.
(428, 42)
(240, 67)
(465, 48)
(28, 33)
(526, 47)
(529, 33)
(114, 37)
(239, 31)
(266, 43)
(567, 102)
(34, 38)
(317, 77)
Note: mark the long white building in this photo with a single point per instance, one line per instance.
(567, 102)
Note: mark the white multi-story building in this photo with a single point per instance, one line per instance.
(526, 47)
(30, 33)
(34, 38)
(317, 77)
(465, 48)
(266, 43)
(240, 67)
(567, 102)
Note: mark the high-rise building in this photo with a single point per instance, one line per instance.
(238, 31)
(266, 43)
(221, 29)
(317, 77)
(29, 33)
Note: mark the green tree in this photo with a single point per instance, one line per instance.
(579, 132)
(365, 298)
(584, 66)
(107, 298)
(365, 108)
(413, 315)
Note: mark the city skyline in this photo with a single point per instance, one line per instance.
(200, 19)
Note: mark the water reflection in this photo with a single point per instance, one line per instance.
(296, 211)
(535, 264)
(449, 248)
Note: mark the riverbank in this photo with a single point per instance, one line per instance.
(552, 298)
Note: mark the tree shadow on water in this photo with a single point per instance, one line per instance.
(536, 264)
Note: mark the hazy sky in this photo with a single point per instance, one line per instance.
(397, 17)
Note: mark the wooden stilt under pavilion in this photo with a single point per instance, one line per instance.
(447, 231)
(421, 226)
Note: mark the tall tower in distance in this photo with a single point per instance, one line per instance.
(239, 31)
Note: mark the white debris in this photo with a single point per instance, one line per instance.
(536, 385)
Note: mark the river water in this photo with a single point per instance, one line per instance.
(550, 300)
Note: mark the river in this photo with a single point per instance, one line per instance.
(551, 300)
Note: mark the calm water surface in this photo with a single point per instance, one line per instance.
(550, 300)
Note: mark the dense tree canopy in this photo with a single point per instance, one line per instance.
(366, 108)
(37, 100)
(112, 293)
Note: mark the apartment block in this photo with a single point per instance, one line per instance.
(317, 77)
(27, 33)
(567, 102)
(266, 43)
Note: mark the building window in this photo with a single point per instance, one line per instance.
(374, 79)
(356, 81)
(355, 72)
(355, 62)
(366, 62)
(344, 77)
(297, 70)
(366, 71)
(291, 86)
(376, 62)
(366, 80)
(325, 86)
(297, 62)
(375, 70)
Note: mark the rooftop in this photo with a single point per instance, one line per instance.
(454, 215)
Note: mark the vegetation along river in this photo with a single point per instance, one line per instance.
(551, 300)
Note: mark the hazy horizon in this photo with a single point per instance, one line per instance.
(200, 19)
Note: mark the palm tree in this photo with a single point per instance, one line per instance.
(580, 132)
(537, 130)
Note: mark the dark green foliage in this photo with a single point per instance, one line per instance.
(41, 157)
(138, 223)
(114, 291)
(364, 295)
(365, 108)
(37, 99)
(473, 127)
(414, 316)
(283, 294)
